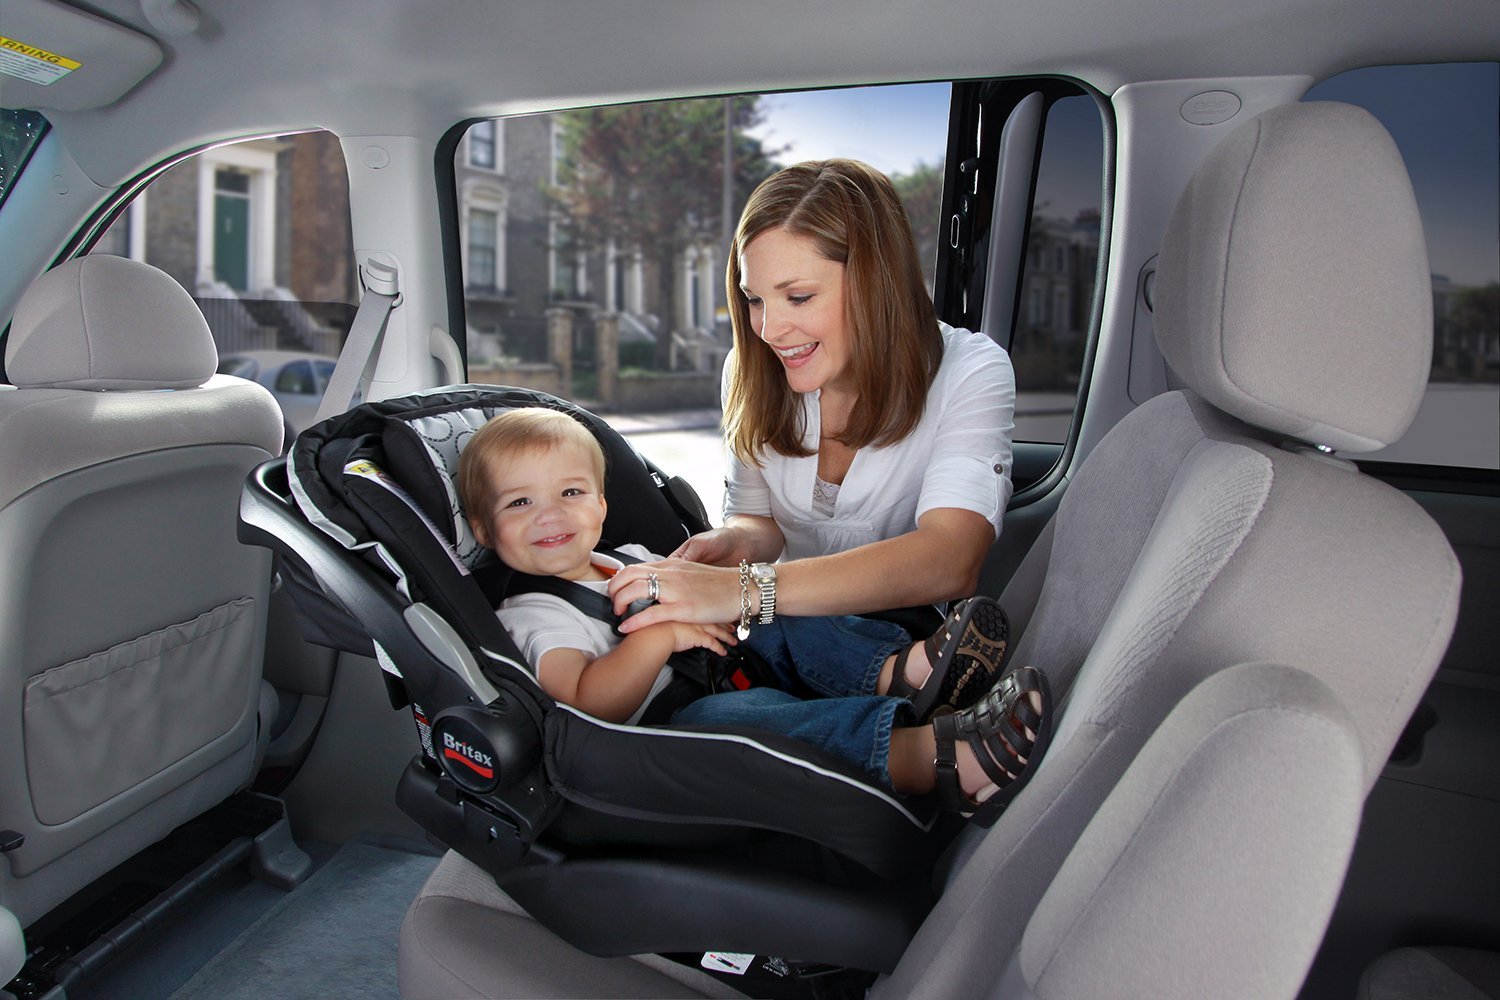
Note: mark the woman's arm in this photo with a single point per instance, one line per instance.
(938, 561)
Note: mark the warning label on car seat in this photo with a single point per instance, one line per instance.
(27, 62)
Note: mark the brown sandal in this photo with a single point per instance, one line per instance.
(965, 654)
(995, 729)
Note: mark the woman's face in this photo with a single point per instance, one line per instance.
(796, 299)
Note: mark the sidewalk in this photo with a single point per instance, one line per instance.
(663, 420)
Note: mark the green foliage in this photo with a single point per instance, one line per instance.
(921, 192)
(651, 176)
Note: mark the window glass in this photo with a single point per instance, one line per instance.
(1446, 122)
(20, 131)
(296, 377)
(258, 233)
(610, 225)
(1062, 260)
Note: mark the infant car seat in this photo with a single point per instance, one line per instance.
(621, 839)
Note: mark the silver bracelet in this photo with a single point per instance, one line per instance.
(743, 631)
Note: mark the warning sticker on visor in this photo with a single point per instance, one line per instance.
(34, 65)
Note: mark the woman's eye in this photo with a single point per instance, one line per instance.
(798, 300)
(753, 303)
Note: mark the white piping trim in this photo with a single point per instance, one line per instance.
(746, 741)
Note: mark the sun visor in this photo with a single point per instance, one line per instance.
(54, 57)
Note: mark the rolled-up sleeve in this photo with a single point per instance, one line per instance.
(970, 463)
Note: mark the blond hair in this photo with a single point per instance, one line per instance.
(512, 433)
(854, 216)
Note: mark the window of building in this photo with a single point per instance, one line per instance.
(1446, 121)
(482, 145)
(483, 231)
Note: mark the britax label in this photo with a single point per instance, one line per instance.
(476, 760)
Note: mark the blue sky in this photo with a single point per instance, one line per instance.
(1442, 117)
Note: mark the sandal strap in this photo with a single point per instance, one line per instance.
(900, 687)
(945, 760)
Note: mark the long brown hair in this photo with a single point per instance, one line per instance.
(853, 215)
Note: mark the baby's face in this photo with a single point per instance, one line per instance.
(547, 515)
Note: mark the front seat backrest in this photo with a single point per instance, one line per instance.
(134, 620)
(1214, 525)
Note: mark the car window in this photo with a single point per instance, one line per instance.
(296, 378)
(1058, 270)
(593, 265)
(20, 131)
(258, 232)
(1446, 121)
(240, 367)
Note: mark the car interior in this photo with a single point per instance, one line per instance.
(1245, 260)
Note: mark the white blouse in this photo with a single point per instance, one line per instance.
(958, 455)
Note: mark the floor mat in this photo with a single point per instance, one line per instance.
(334, 936)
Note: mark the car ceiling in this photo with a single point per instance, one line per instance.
(402, 67)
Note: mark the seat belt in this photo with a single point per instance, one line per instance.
(382, 294)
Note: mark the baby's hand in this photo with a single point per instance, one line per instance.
(689, 636)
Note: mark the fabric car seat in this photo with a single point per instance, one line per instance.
(1213, 526)
(134, 620)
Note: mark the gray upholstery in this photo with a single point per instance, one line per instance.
(1433, 974)
(1245, 802)
(1190, 541)
(131, 684)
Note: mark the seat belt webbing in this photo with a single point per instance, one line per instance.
(363, 343)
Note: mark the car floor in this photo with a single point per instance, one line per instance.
(333, 935)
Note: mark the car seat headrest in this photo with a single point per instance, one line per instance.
(1293, 289)
(102, 322)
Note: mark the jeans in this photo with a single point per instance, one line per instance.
(826, 670)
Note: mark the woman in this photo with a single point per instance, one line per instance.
(870, 444)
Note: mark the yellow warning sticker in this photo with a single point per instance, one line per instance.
(27, 62)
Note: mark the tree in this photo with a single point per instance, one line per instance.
(921, 192)
(650, 176)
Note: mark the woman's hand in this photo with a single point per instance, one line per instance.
(686, 592)
(754, 539)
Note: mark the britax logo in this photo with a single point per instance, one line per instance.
(480, 763)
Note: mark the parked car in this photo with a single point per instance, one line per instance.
(199, 788)
(296, 378)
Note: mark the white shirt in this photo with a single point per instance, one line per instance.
(540, 623)
(958, 455)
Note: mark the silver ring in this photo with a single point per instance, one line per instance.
(653, 588)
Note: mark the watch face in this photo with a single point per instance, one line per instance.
(763, 571)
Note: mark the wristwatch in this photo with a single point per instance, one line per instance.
(764, 575)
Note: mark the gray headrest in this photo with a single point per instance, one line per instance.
(102, 322)
(1293, 288)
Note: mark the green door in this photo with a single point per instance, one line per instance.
(232, 233)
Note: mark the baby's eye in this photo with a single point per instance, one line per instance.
(572, 491)
(519, 502)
